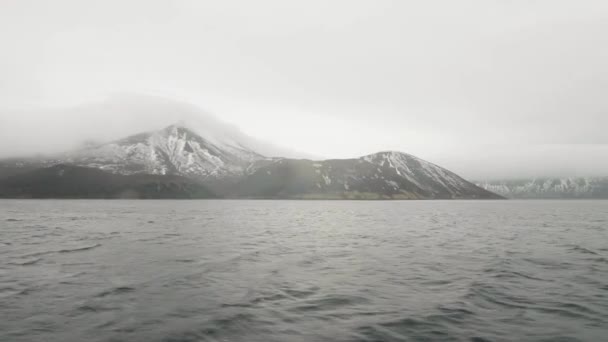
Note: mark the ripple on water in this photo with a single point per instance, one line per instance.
(79, 249)
(299, 271)
(583, 250)
(116, 291)
(328, 303)
(405, 329)
(493, 296)
(226, 328)
(26, 262)
(61, 251)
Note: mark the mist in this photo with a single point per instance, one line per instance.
(488, 89)
(116, 117)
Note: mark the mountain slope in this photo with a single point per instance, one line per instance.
(385, 175)
(174, 150)
(590, 188)
(230, 169)
(67, 181)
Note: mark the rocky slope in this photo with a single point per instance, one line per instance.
(550, 188)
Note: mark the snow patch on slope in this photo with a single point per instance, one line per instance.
(173, 150)
(418, 171)
(569, 187)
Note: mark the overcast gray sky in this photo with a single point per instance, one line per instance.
(487, 88)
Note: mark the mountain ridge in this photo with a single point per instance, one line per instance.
(383, 175)
(550, 188)
(232, 170)
(175, 149)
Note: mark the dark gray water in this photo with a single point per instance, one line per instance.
(303, 271)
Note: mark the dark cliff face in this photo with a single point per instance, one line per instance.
(67, 181)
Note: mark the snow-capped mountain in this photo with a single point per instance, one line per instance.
(589, 187)
(174, 150)
(424, 175)
(384, 175)
(230, 169)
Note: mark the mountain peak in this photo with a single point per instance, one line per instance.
(176, 149)
(390, 154)
(179, 129)
(233, 169)
(182, 124)
(174, 131)
(391, 157)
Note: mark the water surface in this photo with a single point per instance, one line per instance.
(303, 271)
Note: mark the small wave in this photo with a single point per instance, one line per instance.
(26, 291)
(8, 291)
(256, 301)
(602, 260)
(63, 251)
(301, 293)
(454, 313)
(439, 282)
(78, 263)
(568, 310)
(79, 249)
(33, 255)
(281, 295)
(27, 262)
(116, 291)
(549, 263)
(583, 250)
(497, 273)
(404, 329)
(578, 308)
(482, 294)
(95, 308)
(330, 303)
(186, 261)
(228, 328)
(13, 220)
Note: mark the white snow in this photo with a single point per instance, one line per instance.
(418, 171)
(161, 151)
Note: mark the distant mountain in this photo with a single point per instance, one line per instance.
(550, 188)
(174, 150)
(67, 181)
(384, 175)
(231, 169)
